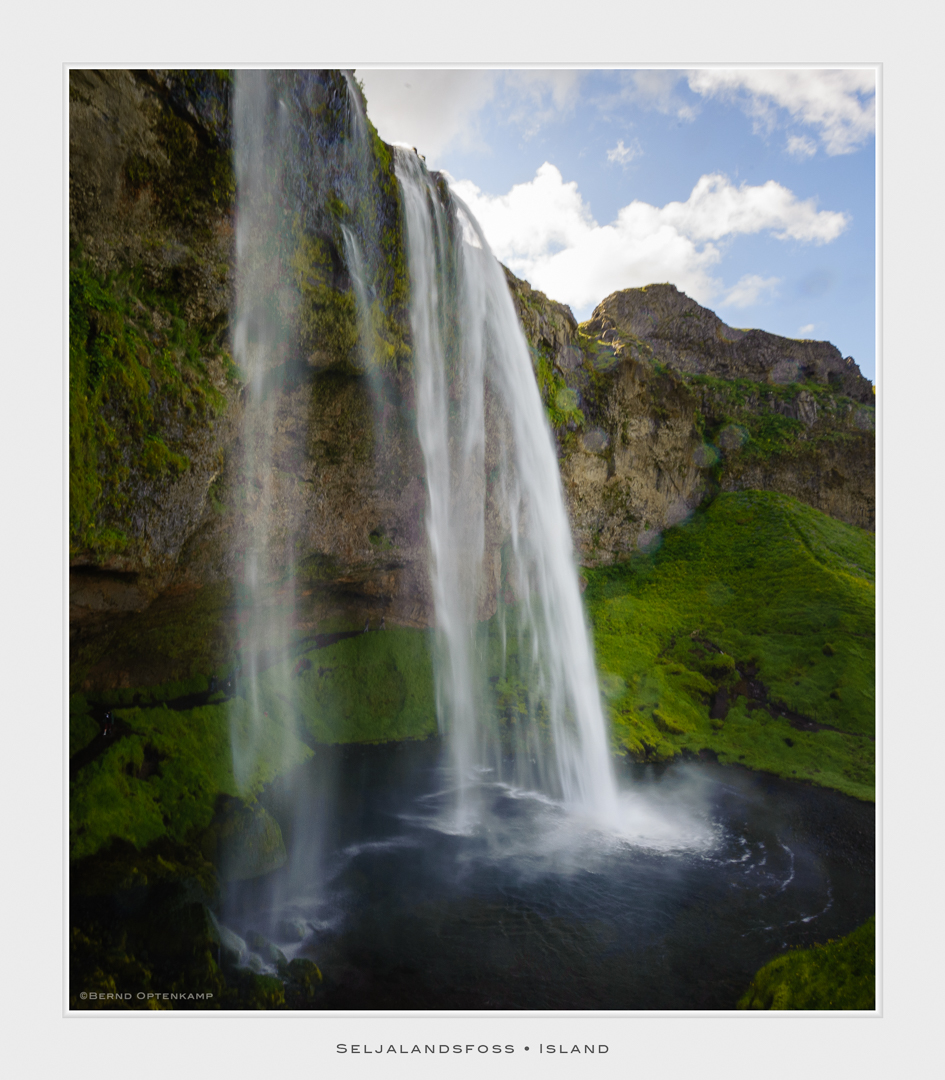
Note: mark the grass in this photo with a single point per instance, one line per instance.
(838, 975)
(759, 587)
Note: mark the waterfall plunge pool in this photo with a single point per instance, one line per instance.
(712, 872)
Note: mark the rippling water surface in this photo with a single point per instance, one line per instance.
(710, 873)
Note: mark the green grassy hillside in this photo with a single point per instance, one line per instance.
(748, 633)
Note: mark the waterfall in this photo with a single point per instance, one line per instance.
(517, 693)
(263, 333)
(491, 466)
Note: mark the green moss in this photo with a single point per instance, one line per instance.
(757, 413)
(560, 401)
(164, 778)
(328, 321)
(374, 687)
(134, 364)
(836, 975)
(758, 583)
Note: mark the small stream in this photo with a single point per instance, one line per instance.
(714, 871)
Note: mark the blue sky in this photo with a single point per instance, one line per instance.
(752, 190)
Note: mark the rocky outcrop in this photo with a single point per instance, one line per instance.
(669, 405)
(152, 387)
(550, 327)
(661, 323)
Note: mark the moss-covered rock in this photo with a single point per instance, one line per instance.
(151, 193)
(243, 841)
(164, 777)
(368, 688)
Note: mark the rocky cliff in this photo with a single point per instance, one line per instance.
(162, 509)
(657, 405)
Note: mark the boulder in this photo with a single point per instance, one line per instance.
(243, 841)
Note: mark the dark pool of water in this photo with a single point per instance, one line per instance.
(712, 872)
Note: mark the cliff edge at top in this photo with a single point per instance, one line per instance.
(661, 323)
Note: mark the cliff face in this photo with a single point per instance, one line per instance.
(668, 405)
(163, 508)
(656, 404)
(152, 388)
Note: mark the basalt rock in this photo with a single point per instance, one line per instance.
(161, 511)
(663, 324)
(670, 406)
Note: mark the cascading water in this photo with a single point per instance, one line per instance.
(262, 340)
(490, 463)
(478, 405)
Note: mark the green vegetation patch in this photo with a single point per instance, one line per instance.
(370, 688)
(163, 777)
(135, 368)
(759, 606)
(753, 419)
(328, 321)
(838, 975)
(560, 401)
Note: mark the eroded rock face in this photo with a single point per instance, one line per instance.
(640, 470)
(169, 505)
(675, 406)
(151, 253)
(662, 323)
(345, 499)
(549, 326)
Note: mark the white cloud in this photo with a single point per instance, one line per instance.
(654, 89)
(429, 109)
(800, 146)
(716, 208)
(544, 231)
(533, 98)
(435, 110)
(625, 154)
(805, 331)
(840, 103)
(750, 289)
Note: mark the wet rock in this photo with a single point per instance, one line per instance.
(292, 929)
(265, 949)
(233, 950)
(303, 983)
(243, 842)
